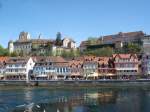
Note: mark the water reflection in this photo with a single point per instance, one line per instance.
(28, 95)
(75, 100)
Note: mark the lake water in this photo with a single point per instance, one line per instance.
(44, 99)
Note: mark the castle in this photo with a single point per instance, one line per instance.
(27, 46)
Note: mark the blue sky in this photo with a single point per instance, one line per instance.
(78, 19)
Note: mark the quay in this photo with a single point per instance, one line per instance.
(77, 83)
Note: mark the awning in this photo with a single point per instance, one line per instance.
(110, 74)
(101, 74)
(107, 74)
(93, 74)
(75, 74)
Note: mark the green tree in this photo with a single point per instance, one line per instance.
(92, 40)
(58, 39)
(66, 54)
(14, 54)
(76, 53)
(105, 51)
(70, 54)
(49, 49)
(21, 53)
(133, 48)
(130, 48)
(3, 51)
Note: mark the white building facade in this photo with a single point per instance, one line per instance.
(51, 68)
(68, 43)
(126, 65)
(18, 68)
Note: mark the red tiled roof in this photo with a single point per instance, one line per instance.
(13, 60)
(49, 58)
(3, 59)
(125, 56)
(103, 60)
(61, 64)
(87, 59)
(75, 63)
(55, 59)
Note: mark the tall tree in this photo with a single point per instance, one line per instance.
(58, 39)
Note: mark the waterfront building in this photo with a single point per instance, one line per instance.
(19, 68)
(85, 67)
(42, 69)
(62, 69)
(49, 68)
(106, 68)
(90, 67)
(145, 61)
(2, 66)
(76, 69)
(126, 65)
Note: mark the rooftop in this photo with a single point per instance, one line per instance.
(17, 60)
(3, 59)
(124, 56)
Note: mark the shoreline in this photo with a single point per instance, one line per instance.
(77, 83)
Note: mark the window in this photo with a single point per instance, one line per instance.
(67, 70)
(63, 69)
(16, 65)
(58, 70)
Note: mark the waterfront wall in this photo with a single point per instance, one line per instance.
(77, 83)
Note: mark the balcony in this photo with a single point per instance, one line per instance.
(41, 75)
(126, 68)
(14, 73)
(127, 73)
(13, 67)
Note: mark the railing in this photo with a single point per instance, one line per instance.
(7, 67)
(126, 68)
(15, 72)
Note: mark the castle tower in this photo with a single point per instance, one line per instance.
(11, 47)
(24, 36)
